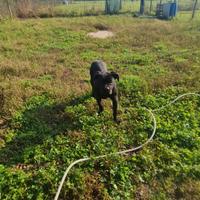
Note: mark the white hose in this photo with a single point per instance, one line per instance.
(124, 151)
(172, 102)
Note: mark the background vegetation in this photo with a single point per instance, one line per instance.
(48, 118)
(56, 8)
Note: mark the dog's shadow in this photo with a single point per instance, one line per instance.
(34, 126)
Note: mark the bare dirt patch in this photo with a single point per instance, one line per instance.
(101, 34)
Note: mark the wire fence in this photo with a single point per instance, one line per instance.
(71, 8)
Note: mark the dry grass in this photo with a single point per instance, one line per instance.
(54, 54)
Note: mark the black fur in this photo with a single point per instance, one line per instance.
(104, 85)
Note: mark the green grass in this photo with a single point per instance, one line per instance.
(49, 117)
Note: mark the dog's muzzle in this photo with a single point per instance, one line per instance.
(109, 90)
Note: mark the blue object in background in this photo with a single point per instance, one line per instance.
(167, 10)
(173, 10)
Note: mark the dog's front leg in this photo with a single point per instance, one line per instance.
(115, 105)
(100, 105)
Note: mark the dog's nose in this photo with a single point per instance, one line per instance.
(107, 88)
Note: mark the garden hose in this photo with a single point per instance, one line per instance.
(124, 151)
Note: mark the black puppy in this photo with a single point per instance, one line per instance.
(103, 85)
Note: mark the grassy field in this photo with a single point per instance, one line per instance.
(48, 118)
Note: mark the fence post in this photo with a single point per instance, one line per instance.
(142, 7)
(151, 4)
(9, 9)
(120, 6)
(194, 8)
(107, 7)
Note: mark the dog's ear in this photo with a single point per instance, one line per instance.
(97, 75)
(114, 75)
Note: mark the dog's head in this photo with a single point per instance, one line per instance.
(107, 81)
